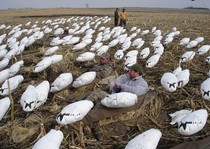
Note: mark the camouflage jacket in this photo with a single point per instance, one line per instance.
(102, 71)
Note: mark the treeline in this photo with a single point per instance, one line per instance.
(197, 8)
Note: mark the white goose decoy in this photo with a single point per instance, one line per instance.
(102, 49)
(87, 41)
(51, 140)
(4, 106)
(119, 54)
(14, 69)
(183, 78)
(87, 56)
(4, 63)
(184, 41)
(129, 62)
(119, 100)
(126, 45)
(4, 75)
(131, 54)
(152, 61)
(96, 46)
(42, 90)
(168, 40)
(133, 29)
(153, 29)
(73, 40)
(157, 32)
(146, 140)
(205, 89)
(56, 41)
(3, 52)
(29, 98)
(159, 49)
(193, 122)
(169, 82)
(192, 44)
(177, 70)
(199, 39)
(13, 83)
(136, 42)
(43, 64)
(51, 50)
(144, 32)
(207, 59)
(74, 112)
(56, 58)
(204, 49)
(62, 81)
(79, 46)
(113, 43)
(177, 116)
(144, 53)
(85, 79)
(187, 56)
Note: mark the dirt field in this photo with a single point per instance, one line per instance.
(114, 132)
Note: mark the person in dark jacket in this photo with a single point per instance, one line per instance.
(116, 17)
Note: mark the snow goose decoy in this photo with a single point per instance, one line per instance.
(184, 41)
(152, 61)
(205, 89)
(144, 53)
(43, 64)
(119, 54)
(4, 63)
(51, 140)
(169, 82)
(193, 122)
(178, 116)
(87, 56)
(13, 83)
(204, 49)
(4, 106)
(119, 100)
(199, 39)
(192, 44)
(62, 81)
(146, 140)
(13, 70)
(208, 59)
(85, 79)
(74, 112)
(79, 46)
(187, 56)
(4, 75)
(183, 78)
(96, 46)
(33, 97)
(51, 50)
(29, 98)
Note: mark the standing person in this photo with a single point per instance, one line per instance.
(116, 17)
(123, 17)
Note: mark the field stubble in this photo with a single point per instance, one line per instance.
(116, 131)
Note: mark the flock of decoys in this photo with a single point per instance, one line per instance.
(81, 31)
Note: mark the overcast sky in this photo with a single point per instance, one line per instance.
(5, 4)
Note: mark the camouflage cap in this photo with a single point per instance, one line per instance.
(136, 67)
(105, 55)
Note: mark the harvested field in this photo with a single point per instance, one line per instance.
(114, 132)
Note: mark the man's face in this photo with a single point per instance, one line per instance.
(104, 60)
(132, 73)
